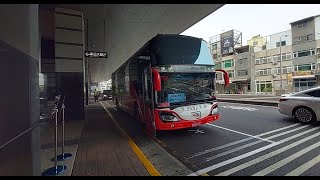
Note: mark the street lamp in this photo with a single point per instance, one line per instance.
(281, 87)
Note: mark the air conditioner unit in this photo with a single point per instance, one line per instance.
(274, 75)
(274, 62)
(318, 55)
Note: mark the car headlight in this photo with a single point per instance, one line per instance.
(167, 117)
(214, 110)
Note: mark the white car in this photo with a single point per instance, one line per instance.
(304, 105)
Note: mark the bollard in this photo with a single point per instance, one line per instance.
(56, 169)
(63, 156)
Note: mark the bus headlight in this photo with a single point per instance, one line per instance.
(214, 110)
(167, 117)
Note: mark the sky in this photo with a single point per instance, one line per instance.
(251, 19)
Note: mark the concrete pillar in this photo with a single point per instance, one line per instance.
(69, 60)
(19, 77)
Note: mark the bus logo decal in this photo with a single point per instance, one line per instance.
(196, 114)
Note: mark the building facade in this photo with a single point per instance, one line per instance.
(306, 58)
(270, 73)
(283, 62)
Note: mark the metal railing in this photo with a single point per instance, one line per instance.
(55, 113)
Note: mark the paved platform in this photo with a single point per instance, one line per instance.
(97, 145)
(103, 150)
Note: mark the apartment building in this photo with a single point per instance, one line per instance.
(306, 53)
(222, 47)
(271, 75)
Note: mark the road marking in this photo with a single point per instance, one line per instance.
(271, 154)
(240, 108)
(259, 98)
(240, 141)
(301, 169)
(256, 137)
(286, 160)
(232, 160)
(248, 105)
(144, 160)
(112, 106)
(250, 144)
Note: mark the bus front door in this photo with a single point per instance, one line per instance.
(148, 101)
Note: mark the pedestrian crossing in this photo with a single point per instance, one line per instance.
(295, 144)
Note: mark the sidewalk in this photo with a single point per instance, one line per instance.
(97, 146)
(103, 151)
(266, 100)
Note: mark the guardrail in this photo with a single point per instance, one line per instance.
(56, 112)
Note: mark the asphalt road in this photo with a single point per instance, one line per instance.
(247, 140)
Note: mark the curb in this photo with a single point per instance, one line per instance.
(249, 102)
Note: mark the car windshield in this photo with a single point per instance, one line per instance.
(179, 88)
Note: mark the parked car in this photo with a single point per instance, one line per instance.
(304, 105)
(106, 94)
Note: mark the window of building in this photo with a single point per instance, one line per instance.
(303, 53)
(264, 47)
(304, 84)
(304, 67)
(264, 86)
(257, 60)
(264, 60)
(288, 56)
(214, 46)
(309, 37)
(276, 58)
(269, 59)
(255, 43)
(242, 73)
(263, 72)
(228, 63)
(303, 25)
(283, 43)
(231, 74)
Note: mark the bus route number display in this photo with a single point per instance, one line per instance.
(179, 97)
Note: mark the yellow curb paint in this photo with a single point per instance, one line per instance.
(144, 160)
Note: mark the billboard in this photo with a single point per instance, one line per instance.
(227, 42)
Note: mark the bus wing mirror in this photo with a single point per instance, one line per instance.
(156, 80)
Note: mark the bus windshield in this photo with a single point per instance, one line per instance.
(183, 50)
(180, 88)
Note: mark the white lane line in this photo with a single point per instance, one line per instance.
(287, 160)
(240, 141)
(232, 160)
(112, 106)
(271, 154)
(303, 168)
(250, 144)
(256, 137)
(257, 98)
(248, 104)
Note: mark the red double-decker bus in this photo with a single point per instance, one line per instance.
(168, 84)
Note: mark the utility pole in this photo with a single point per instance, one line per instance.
(281, 86)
